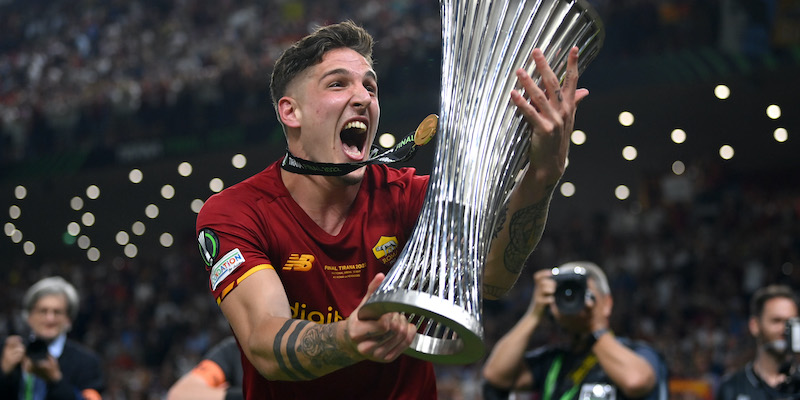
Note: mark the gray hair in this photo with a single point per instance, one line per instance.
(50, 286)
(593, 272)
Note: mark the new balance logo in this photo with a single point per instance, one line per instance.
(299, 262)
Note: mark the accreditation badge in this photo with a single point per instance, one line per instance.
(597, 391)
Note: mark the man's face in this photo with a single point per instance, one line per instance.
(770, 327)
(335, 110)
(48, 318)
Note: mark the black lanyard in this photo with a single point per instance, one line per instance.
(402, 151)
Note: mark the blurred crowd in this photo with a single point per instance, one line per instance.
(89, 75)
(86, 76)
(681, 269)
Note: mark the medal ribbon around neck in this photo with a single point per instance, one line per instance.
(402, 151)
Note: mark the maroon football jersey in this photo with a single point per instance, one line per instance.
(256, 224)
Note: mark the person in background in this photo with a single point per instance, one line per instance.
(217, 377)
(770, 375)
(46, 365)
(595, 363)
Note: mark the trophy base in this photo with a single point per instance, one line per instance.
(446, 333)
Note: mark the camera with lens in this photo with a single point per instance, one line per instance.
(571, 290)
(36, 348)
(792, 335)
(791, 368)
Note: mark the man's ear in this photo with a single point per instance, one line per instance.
(289, 112)
(752, 324)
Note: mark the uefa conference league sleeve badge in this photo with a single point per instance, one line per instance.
(208, 243)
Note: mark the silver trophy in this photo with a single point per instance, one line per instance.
(482, 147)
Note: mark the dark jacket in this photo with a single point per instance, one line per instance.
(80, 369)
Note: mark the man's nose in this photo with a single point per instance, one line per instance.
(362, 98)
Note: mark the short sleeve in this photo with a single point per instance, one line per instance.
(230, 242)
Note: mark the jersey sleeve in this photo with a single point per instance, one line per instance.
(229, 243)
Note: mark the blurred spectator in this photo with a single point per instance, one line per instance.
(44, 364)
(773, 373)
(217, 377)
(578, 298)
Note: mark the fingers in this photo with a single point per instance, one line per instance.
(14, 341)
(373, 285)
(537, 105)
(544, 289)
(47, 369)
(379, 337)
(580, 94)
(553, 98)
(571, 76)
(13, 353)
(549, 108)
(371, 288)
(544, 281)
(387, 338)
(401, 334)
(549, 78)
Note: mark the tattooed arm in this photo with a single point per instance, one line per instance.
(282, 348)
(551, 115)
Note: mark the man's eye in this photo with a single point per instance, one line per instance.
(335, 84)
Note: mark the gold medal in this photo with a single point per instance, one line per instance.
(426, 130)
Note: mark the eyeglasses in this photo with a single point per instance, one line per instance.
(43, 311)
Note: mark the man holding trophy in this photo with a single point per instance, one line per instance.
(294, 255)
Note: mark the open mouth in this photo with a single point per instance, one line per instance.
(353, 137)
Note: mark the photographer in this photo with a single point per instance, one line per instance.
(769, 375)
(594, 365)
(45, 365)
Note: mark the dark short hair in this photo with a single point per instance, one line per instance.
(309, 51)
(761, 296)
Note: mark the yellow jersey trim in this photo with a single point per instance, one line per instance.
(244, 276)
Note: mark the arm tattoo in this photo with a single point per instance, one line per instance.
(319, 345)
(276, 349)
(494, 291)
(291, 350)
(524, 230)
(500, 221)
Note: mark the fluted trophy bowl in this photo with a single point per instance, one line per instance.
(483, 144)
